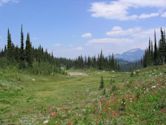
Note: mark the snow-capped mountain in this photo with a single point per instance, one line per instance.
(131, 55)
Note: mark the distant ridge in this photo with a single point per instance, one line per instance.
(131, 55)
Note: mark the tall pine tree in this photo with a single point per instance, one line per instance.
(22, 56)
(28, 51)
(162, 48)
(22, 52)
(101, 61)
(9, 46)
(155, 50)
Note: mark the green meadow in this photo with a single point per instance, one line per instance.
(128, 98)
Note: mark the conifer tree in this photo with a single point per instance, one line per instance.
(16, 53)
(148, 56)
(145, 58)
(101, 61)
(5, 50)
(22, 56)
(162, 48)
(101, 83)
(150, 53)
(156, 54)
(9, 46)
(28, 51)
(155, 49)
(22, 52)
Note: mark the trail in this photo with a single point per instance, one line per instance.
(77, 74)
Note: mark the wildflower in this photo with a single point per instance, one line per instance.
(53, 114)
(33, 80)
(153, 87)
(45, 122)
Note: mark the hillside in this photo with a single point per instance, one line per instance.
(137, 98)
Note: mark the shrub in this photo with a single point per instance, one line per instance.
(101, 83)
(131, 74)
(129, 84)
(104, 91)
(114, 88)
(161, 104)
(134, 73)
(122, 105)
(138, 95)
(45, 68)
(112, 81)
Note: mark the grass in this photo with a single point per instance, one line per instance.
(27, 99)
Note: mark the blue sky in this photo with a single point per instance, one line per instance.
(69, 28)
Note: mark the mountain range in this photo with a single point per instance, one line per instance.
(131, 55)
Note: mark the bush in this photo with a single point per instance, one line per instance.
(161, 104)
(129, 84)
(112, 81)
(114, 88)
(45, 68)
(138, 95)
(104, 91)
(132, 74)
(101, 83)
(4, 63)
(122, 107)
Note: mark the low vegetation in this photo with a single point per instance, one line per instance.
(67, 99)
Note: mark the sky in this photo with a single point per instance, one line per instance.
(70, 28)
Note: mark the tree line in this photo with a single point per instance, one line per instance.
(100, 62)
(25, 54)
(155, 54)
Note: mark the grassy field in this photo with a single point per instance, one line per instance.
(137, 98)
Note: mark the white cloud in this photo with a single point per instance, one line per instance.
(79, 48)
(67, 50)
(86, 35)
(164, 14)
(119, 31)
(120, 9)
(119, 39)
(7, 1)
(132, 33)
(108, 40)
(144, 16)
(58, 45)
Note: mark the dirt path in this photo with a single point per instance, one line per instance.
(77, 74)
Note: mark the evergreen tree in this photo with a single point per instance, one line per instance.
(145, 59)
(156, 54)
(150, 53)
(101, 61)
(28, 51)
(162, 48)
(155, 50)
(22, 56)
(21, 50)
(165, 46)
(9, 46)
(148, 56)
(101, 83)
(16, 53)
